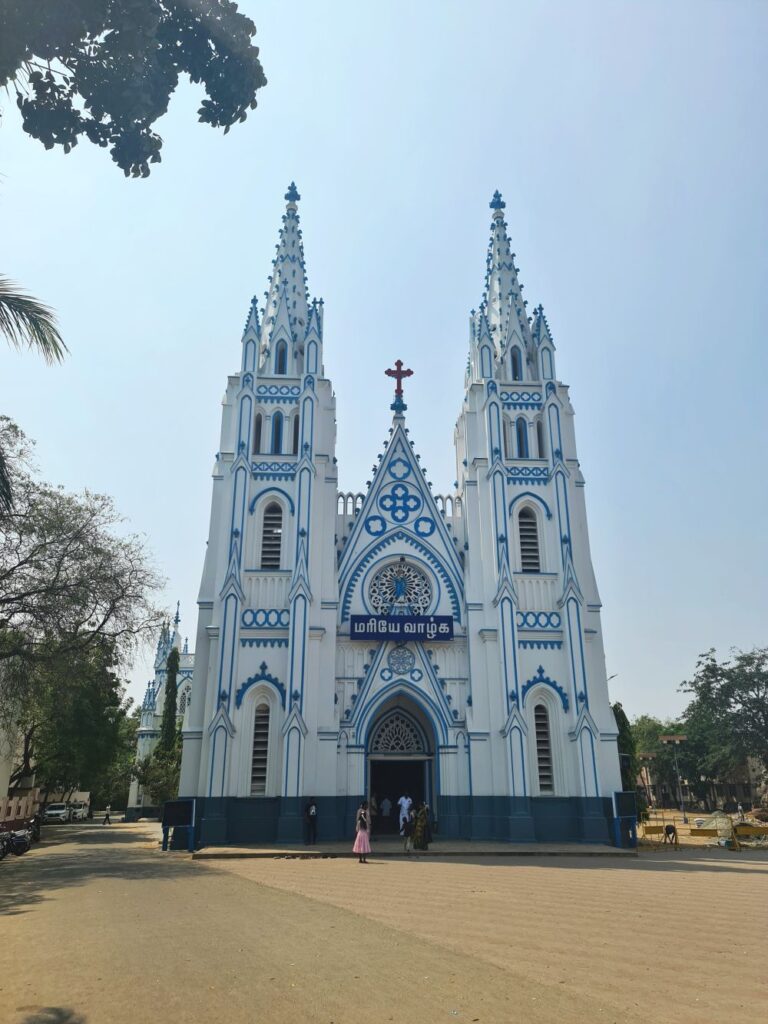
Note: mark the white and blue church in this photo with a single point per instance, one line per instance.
(351, 644)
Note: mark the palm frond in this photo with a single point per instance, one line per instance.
(6, 495)
(26, 322)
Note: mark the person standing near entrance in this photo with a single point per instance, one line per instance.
(310, 814)
(386, 807)
(374, 810)
(362, 845)
(404, 803)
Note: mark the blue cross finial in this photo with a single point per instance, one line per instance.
(497, 203)
(292, 195)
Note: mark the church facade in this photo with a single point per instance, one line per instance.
(397, 639)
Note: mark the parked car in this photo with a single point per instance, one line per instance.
(57, 812)
(79, 811)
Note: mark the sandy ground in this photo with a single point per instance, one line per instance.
(98, 926)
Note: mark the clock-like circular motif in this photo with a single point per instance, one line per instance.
(400, 589)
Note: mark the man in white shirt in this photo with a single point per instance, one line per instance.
(404, 803)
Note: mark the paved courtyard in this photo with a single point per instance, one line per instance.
(99, 926)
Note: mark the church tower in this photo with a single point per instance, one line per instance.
(396, 640)
(261, 661)
(531, 592)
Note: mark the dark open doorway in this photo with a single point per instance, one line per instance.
(392, 778)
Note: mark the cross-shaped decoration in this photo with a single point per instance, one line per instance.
(399, 374)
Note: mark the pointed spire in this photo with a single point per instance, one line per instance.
(540, 327)
(288, 281)
(176, 618)
(502, 298)
(252, 320)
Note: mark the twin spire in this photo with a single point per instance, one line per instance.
(503, 306)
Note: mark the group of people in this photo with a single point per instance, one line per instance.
(415, 825)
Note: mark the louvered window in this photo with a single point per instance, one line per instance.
(260, 751)
(543, 749)
(257, 423)
(529, 541)
(272, 536)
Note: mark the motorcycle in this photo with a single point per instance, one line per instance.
(5, 844)
(20, 841)
(34, 827)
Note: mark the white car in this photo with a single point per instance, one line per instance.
(78, 811)
(57, 812)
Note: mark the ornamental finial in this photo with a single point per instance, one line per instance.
(176, 618)
(497, 203)
(292, 195)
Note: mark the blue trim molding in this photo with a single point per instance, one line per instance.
(261, 677)
(540, 677)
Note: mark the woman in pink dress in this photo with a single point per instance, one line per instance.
(362, 845)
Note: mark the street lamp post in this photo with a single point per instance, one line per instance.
(674, 742)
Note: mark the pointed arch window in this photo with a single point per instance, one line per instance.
(272, 536)
(277, 433)
(521, 430)
(295, 441)
(260, 753)
(517, 364)
(281, 358)
(543, 749)
(509, 439)
(528, 528)
(258, 424)
(540, 445)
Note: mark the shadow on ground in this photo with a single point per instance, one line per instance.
(53, 1015)
(73, 856)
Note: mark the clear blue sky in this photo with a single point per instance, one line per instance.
(629, 141)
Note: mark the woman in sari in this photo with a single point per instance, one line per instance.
(362, 845)
(422, 833)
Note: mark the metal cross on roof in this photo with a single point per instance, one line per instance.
(399, 373)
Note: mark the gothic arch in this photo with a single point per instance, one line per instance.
(426, 556)
(257, 695)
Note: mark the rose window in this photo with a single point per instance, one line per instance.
(400, 589)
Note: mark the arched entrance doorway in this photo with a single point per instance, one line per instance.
(400, 754)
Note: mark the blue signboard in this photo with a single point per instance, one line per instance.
(428, 628)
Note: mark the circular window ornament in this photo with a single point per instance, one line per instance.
(401, 660)
(400, 589)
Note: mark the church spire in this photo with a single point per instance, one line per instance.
(502, 298)
(286, 296)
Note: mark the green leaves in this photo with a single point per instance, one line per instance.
(106, 69)
(28, 323)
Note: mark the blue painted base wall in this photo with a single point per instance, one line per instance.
(234, 820)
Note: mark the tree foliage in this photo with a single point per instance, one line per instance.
(26, 323)
(168, 730)
(729, 707)
(105, 70)
(630, 766)
(159, 773)
(68, 580)
(68, 716)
